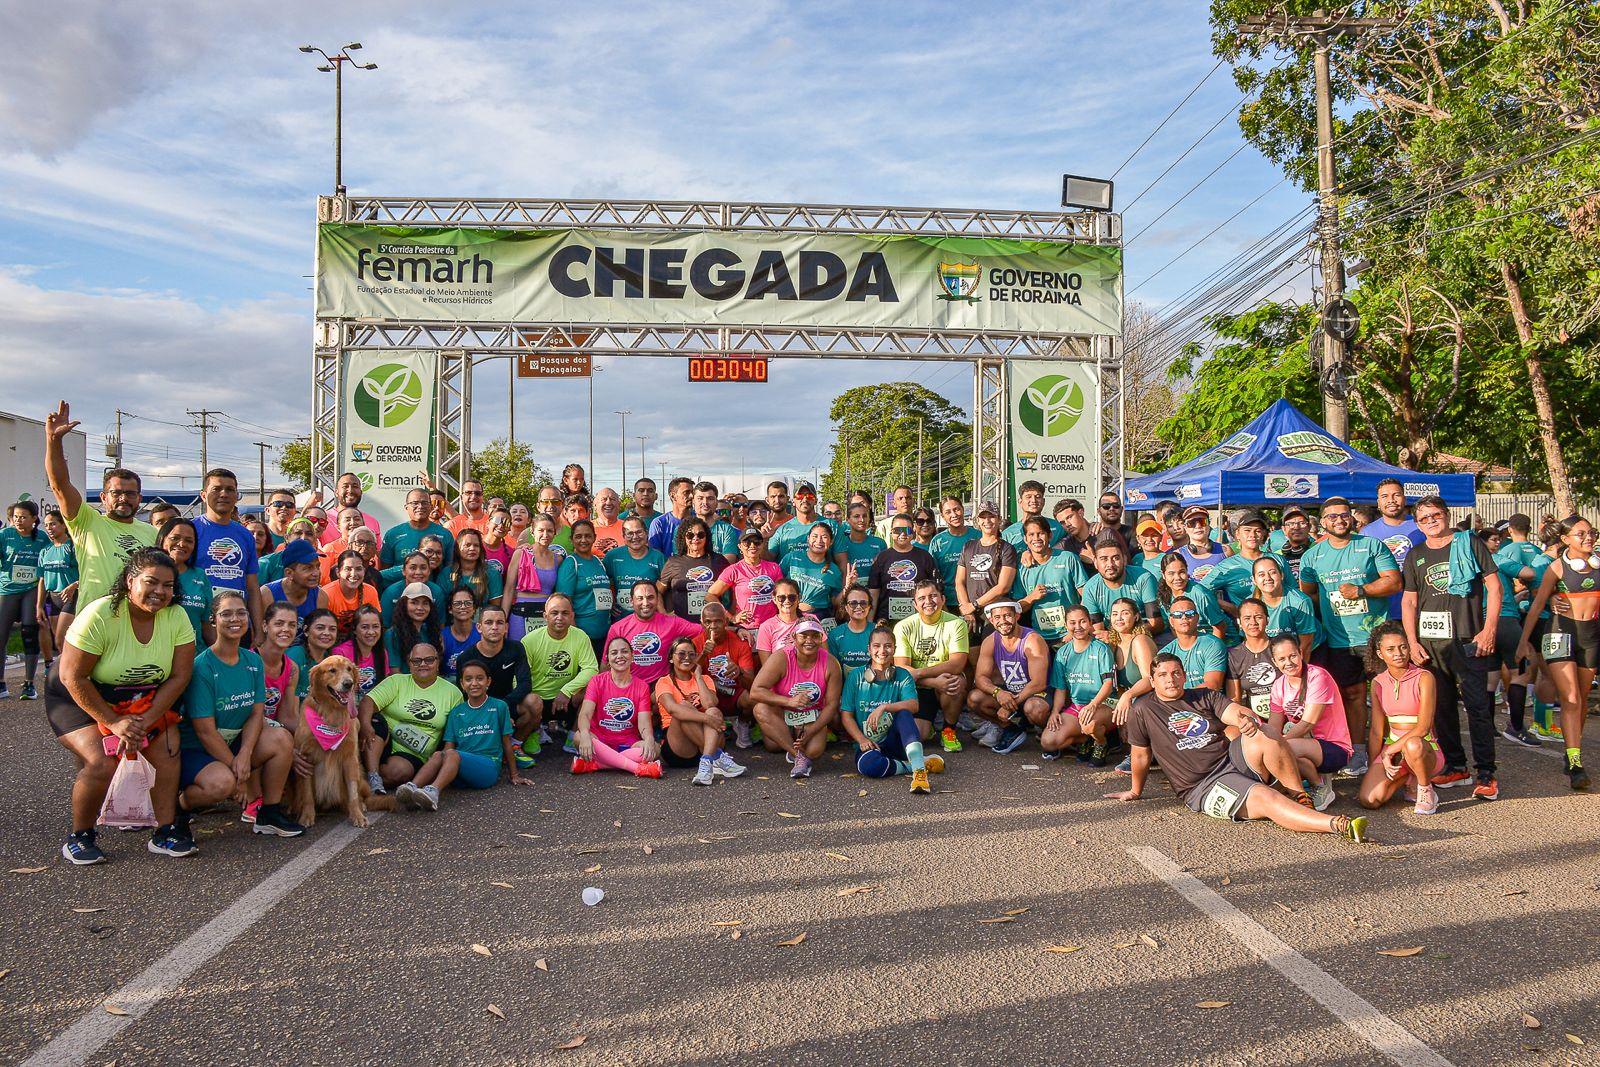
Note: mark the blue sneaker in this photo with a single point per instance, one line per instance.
(80, 849)
(520, 754)
(165, 841)
(1126, 766)
(1050, 755)
(1011, 739)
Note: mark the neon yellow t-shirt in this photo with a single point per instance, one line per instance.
(103, 548)
(924, 644)
(415, 716)
(124, 660)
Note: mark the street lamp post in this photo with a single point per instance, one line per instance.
(623, 451)
(335, 64)
(643, 470)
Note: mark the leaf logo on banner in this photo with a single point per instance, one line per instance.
(388, 395)
(1051, 406)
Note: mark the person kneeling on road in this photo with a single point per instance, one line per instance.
(476, 747)
(933, 645)
(1186, 730)
(879, 702)
(1009, 684)
(797, 697)
(405, 714)
(1083, 675)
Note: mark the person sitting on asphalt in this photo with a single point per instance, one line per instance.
(1401, 738)
(406, 713)
(475, 748)
(1082, 676)
(690, 727)
(614, 729)
(1186, 729)
(933, 645)
(1308, 713)
(1009, 683)
(510, 678)
(878, 706)
(796, 694)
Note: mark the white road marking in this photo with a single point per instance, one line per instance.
(1374, 1027)
(162, 978)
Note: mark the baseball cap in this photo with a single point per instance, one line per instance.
(1292, 510)
(1250, 516)
(984, 506)
(805, 487)
(809, 626)
(1149, 524)
(1195, 509)
(751, 536)
(299, 552)
(417, 591)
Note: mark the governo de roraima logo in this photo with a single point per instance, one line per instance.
(1051, 406)
(388, 395)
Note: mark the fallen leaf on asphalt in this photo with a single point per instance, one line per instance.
(728, 922)
(378, 851)
(1284, 906)
(837, 856)
(1515, 893)
(617, 823)
(836, 756)
(1530, 1022)
(736, 935)
(1019, 911)
(704, 840)
(861, 792)
(1029, 767)
(574, 1043)
(503, 885)
(531, 837)
(1010, 798)
(763, 778)
(749, 813)
(591, 870)
(495, 1011)
(87, 911)
(787, 815)
(1147, 939)
(547, 811)
(3, 973)
(590, 851)
(482, 950)
(1213, 1003)
(793, 941)
(1575, 1039)
(997, 919)
(1415, 950)
(1226, 880)
(541, 964)
(26, 870)
(1062, 948)
(113, 1009)
(649, 850)
(1125, 944)
(850, 891)
(847, 774)
(627, 787)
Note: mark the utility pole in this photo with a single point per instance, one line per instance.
(1320, 27)
(203, 424)
(663, 472)
(644, 472)
(114, 446)
(919, 461)
(261, 472)
(623, 489)
(335, 64)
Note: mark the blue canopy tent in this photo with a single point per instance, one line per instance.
(1282, 457)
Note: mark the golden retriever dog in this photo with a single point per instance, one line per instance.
(328, 735)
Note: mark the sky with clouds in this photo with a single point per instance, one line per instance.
(159, 164)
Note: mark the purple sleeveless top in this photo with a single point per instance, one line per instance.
(1012, 666)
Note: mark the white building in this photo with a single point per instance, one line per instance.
(22, 461)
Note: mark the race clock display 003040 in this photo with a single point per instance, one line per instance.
(728, 368)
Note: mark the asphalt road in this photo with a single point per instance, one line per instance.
(368, 957)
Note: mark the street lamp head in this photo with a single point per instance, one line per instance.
(307, 48)
(367, 66)
(353, 46)
(325, 70)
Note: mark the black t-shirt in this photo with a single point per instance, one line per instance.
(1255, 673)
(689, 579)
(509, 676)
(984, 563)
(1186, 735)
(1442, 618)
(1291, 559)
(894, 577)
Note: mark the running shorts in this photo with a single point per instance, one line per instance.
(1571, 640)
(1222, 794)
(476, 772)
(1347, 665)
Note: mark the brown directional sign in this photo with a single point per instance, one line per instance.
(560, 364)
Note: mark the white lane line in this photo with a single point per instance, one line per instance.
(162, 978)
(1376, 1028)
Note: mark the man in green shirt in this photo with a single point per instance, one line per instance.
(933, 646)
(561, 661)
(402, 540)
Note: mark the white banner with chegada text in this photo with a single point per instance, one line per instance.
(387, 426)
(1054, 408)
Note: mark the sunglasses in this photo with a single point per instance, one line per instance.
(898, 530)
(695, 536)
(1197, 522)
(785, 598)
(858, 603)
(1182, 614)
(739, 505)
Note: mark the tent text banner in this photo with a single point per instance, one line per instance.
(693, 277)
(1054, 408)
(388, 426)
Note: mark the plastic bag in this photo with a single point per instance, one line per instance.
(128, 799)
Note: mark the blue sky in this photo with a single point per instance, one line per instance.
(159, 163)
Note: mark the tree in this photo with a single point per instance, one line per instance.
(876, 442)
(294, 460)
(510, 471)
(1148, 395)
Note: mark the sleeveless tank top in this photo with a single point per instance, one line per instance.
(278, 688)
(305, 607)
(1012, 666)
(1402, 699)
(811, 683)
(1128, 671)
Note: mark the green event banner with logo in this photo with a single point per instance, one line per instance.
(1054, 407)
(690, 277)
(387, 422)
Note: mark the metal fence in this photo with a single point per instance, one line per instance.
(1492, 507)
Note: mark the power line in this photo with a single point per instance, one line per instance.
(1168, 118)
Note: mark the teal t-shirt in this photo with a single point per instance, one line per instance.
(1346, 623)
(624, 570)
(224, 693)
(480, 730)
(302, 683)
(270, 568)
(725, 538)
(1293, 615)
(1509, 561)
(1082, 674)
(1150, 562)
(861, 554)
(402, 540)
(1235, 579)
(58, 567)
(193, 595)
(819, 583)
(592, 596)
(1013, 534)
(945, 548)
(791, 536)
(386, 599)
(1063, 576)
(493, 580)
(1138, 586)
(849, 647)
(1205, 602)
(864, 694)
(19, 560)
(1206, 654)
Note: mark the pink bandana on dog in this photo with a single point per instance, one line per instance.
(326, 736)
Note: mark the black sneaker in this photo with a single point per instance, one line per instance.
(80, 849)
(1084, 751)
(166, 841)
(1011, 739)
(182, 817)
(1525, 737)
(1100, 755)
(29, 692)
(1577, 775)
(272, 820)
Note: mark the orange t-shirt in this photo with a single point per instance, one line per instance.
(686, 692)
(464, 521)
(607, 537)
(724, 662)
(344, 607)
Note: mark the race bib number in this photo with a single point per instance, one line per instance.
(1346, 606)
(1435, 625)
(603, 598)
(800, 718)
(901, 607)
(697, 602)
(230, 736)
(1261, 705)
(1050, 617)
(828, 623)
(22, 574)
(881, 730)
(1557, 646)
(1220, 802)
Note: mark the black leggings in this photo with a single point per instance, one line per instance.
(17, 609)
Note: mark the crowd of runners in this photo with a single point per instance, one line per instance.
(1253, 663)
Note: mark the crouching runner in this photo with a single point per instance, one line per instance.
(1185, 729)
(477, 745)
(406, 715)
(879, 705)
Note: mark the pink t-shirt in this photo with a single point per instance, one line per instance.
(500, 554)
(651, 640)
(1320, 688)
(752, 589)
(366, 666)
(775, 635)
(616, 708)
(332, 534)
(278, 692)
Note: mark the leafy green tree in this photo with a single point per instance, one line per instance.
(875, 444)
(510, 471)
(294, 461)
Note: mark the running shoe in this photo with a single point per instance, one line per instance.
(1100, 754)
(934, 763)
(5, 691)
(1356, 767)
(430, 796)
(968, 722)
(756, 736)
(1524, 737)
(1083, 751)
(272, 819)
(1427, 800)
(408, 796)
(1303, 799)
(987, 734)
(919, 782)
(29, 692)
(1487, 788)
(80, 850)
(182, 818)
(1126, 766)
(725, 767)
(533, 745)
(523, 760)
(570, 745)
(801, 768)
(704, 776)
(247, 816)
(1322, 794)
(952, 743)
(544, 737)
(1010, 739)
(651, 769)
(375, 783)
(1577, 775)
(1355, 829)
(741, 734)
(584, 766)
(166, 841)
(1452, 777)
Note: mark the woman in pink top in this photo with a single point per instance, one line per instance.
(777, 633)
(753, 581)
(365, 649)
(614, 729)
(1308, 711)
(497, 545)
(279, 622)
(796, 696)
